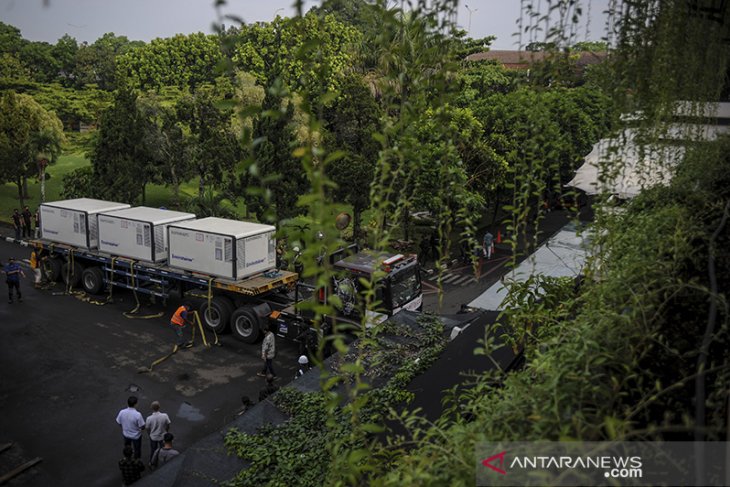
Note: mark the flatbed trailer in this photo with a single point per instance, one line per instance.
(248, 306)
(249, 301)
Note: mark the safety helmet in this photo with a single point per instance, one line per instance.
(303, 360)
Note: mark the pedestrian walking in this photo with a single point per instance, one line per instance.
(166, 452)
(488, 245)
(35, 264)
(434, 242)
(179, 322)
(157, 424)
(132, 424)
(268, 352)
(27, 216)
(37, 222)
(13, 272)
(17, 223)
(303, 368)
(131, 468)
(423, 248)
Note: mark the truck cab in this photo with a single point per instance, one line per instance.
(398, 287)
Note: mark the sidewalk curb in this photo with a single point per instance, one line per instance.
(13, 240)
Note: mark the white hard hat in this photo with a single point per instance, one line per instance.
(303, 360)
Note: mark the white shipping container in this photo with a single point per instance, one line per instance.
(138, 233)
(74, 222)
(222, 248)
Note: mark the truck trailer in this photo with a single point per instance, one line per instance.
(248, 305)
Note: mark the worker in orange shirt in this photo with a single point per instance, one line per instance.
(179, 322)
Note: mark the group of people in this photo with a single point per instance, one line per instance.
(429, 248)
(22, 223)
(132, 424)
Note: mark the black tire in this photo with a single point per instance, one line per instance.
(218, 316)
(52, 268)
(245, 325)
(74, 277)
(92, 280)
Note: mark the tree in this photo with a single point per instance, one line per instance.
(297, 51)
(41, 62)
(119, 158)
(28, 133)
(213, 148)
(97, 63)
(276, 172)
(171, 152)
(184, 61)
(350, 123)
(65, 52)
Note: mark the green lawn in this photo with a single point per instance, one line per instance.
(9, 192)
(157, 195)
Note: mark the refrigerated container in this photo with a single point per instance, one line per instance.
(220, 247)
(138, 233)
(74, 222)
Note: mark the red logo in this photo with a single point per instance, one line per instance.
(499, 456)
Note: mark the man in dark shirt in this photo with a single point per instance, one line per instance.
(27, 215)
(12, 277)
(17, 223)
(131, 468)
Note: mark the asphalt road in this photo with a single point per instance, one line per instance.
(67, 368)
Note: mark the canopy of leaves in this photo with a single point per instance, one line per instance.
(181, 60)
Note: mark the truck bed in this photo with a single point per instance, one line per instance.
(251, 286)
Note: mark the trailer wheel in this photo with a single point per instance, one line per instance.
(72, 278)
(92, 280)
(217, 317)
(52, 268)
(245, 325)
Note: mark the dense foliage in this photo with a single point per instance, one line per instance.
(373, 105)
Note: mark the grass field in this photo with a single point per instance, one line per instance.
(9, 192)
(157, 195)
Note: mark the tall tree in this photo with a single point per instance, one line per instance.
(119, 158)
(65, 52)
(276, 172)
(350, 122)
(213, 148)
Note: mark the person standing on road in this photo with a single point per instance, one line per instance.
(27, 215)
(13, 272)
(37, 221)
(157, 425)
(132, 424)
(17, 223)
(166, 452)
(178, 323)
(268, 352)
(488, 245)
(35, 264)
(434, 243)
(131, 468)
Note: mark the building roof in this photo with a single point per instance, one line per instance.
(526, 58)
